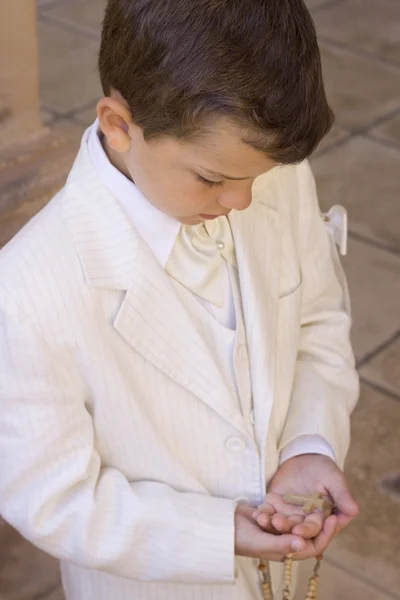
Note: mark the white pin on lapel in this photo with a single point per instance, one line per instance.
(337, 222)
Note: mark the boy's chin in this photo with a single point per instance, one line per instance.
(196, 220)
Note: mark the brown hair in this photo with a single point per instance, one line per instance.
(181, 63)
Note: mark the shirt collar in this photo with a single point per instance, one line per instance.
(157, 229)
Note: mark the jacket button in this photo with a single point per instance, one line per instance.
(235, 445)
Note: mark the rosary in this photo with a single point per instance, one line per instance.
(309, 504)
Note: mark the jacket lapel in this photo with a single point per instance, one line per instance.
(152, 319)
(155, 322)
(257, 240)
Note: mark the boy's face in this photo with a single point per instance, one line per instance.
(189, 181)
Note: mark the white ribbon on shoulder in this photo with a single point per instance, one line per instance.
(337, 222)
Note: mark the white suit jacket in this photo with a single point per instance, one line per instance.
(120, 447)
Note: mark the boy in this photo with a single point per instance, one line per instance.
(174, 327)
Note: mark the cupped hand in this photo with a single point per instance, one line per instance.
(253, 542)
(303, 475)
(277, 516)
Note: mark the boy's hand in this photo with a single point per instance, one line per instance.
(253, 542)
(277, 516)
(303, 475)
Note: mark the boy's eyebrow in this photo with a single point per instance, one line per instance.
(226, 176)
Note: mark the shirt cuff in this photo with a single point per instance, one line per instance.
(307, 444)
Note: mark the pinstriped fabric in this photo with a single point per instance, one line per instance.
(121, 445)
(228, 348)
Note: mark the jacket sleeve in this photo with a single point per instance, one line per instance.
(55, 491)
(325, 389)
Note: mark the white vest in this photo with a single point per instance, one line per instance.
(228, 347)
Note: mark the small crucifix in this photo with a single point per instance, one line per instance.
(309, 503)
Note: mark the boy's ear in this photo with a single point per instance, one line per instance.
(115, 120)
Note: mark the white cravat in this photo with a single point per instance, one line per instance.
(199, 256)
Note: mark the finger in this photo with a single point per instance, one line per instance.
(307, 552)
(346, 504)
(264, 521)
(281, 523)
(327, 534)
(342, 522)
(311, 526)
(262, 516)
(282, 507)
(285, 524)
(264, 508)
(268, 527)
(317, 546)
(279, 546)
(344, 501)
(296, 520)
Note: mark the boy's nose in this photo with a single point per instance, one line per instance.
(235, 201)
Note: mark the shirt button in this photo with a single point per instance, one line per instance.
(252, 418)
(220, 245)
(235, 445)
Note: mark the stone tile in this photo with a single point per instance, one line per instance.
(47, 116)
(25, 571)
(41, 3)
(335, 584)
(365, 25)
(388, 131)
(364, 176)
(86, 117)
(370, 546)
(56, 594)
(31, 175)
(384, 369)
(360, 90)
(79, 13)
(69, 78)
(374, 281)
(336, 134)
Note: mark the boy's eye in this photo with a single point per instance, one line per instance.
(209, 183)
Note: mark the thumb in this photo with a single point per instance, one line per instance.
(344, 500)
(282, 545)
(347, 507)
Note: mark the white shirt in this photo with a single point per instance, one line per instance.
(160, 231)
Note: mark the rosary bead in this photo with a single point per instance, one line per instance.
(267, 592)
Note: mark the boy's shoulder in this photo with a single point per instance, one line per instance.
(290, 189)
(39, 254)
(44, 247)
(36, 236)
(78, 237)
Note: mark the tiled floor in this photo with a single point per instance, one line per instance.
(357, 165)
